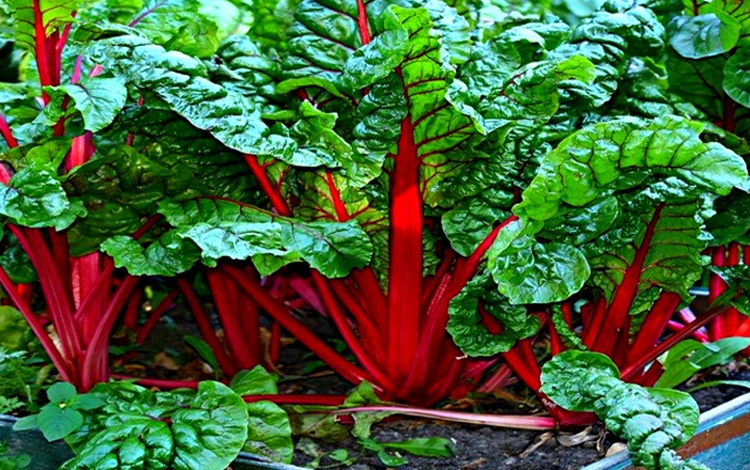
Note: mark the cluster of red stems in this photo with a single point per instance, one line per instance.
(397, 335)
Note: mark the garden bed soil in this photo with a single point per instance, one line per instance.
(486, 448)
(477, 447)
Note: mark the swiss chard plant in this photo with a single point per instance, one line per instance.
(69, 180)
(410, 166)
(708, 57)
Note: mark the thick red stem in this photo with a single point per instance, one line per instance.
(405, 258)
(497, 380)
(130, 319)
(716, 287)
(370, 335)
(364, 28)
(238, 341)
(272, 192)
(205, 328)
(10, 140)
(64, 367)
(95, 367)
(654, 324)
(433, 337)
(637, 366)
(59, 302)
(625, 293)
(368, 361)
(155, 315)
(281, 314)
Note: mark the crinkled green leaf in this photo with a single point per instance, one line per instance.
(321, 38)
(182, 82)
(128, 445)
(653, 421)
(119, 190)
(166, 139)
(223, 228)
(379, 116)
(704, 35)
(98, 99)
(168, 255)
(272, 20)
(673, 262)
(174, 25)
(244, 68)
(537, 273)
(319, 144)
(599, 156)
(35, 198)
(138, 429)
(579, 225)
(378, 59)
(470, 221)
(468, 326)
(44, 156)
(453, 28)
(559, 378)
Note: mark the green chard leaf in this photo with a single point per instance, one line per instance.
(529, 272)
(483, 323)
(600, 156)
(120, 190)
(673, 262)
(736, 81)
(182, 431)
(224, 228)
(654, 421)
(168, 255)
(35, 198)
(172, 24)
(54, 15)
(98, 99)
(182, 82)
(704, 35)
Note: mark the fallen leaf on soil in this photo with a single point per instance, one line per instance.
(474, 464)
(571, 440)
(166, 362)
(615, 448)
(539, 442)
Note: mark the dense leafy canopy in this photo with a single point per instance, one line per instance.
(541, 156)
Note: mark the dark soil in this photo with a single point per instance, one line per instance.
(477, 447)
(486, 448)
